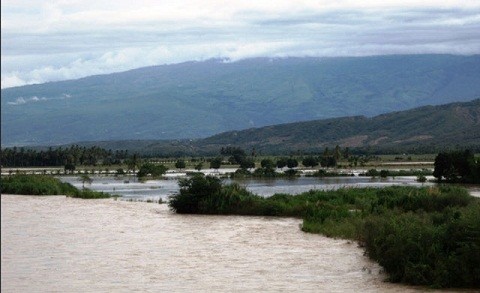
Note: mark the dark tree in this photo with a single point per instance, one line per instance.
(192, 192)
(150, 169)
(310, 162)
(292, 163)
(281, 163)
(346, 153)
(247, 164)
(457, 166)
(237, 155)
(69, 167)
(180, 164)
(133, 163)
(384, 173)
(267, 163)
(85, 179)
(328, 161)
(337, 152)
(215, 163)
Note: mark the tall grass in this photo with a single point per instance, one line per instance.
(44, 185)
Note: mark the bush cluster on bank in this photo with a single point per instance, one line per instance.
(325, 173)
(422, 236)
(264, 172)
(44, 185)
(394, 173)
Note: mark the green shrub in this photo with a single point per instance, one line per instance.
(192, 191)
(421, 178)
(440, 250)
(34, 185)
(290, 172)
(149, 169)
(372, 173)
(384, 173)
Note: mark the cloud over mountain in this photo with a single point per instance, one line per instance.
(57, 40)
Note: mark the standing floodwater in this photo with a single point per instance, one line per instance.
(59, 244)
(156, 189)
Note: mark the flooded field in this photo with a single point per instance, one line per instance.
(129, 187)
(59, 244)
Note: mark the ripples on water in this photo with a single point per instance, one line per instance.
(59, 244)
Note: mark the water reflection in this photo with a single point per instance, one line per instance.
(128, 187)
(298, 185)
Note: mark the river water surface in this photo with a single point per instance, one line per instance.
(60, 244)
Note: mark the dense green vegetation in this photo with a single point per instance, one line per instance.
(44, 185)
(198, 99)
(421, 130)
(394, 173)
(422, 236)
(325, 173)
(264, 172)
(149, 169)
(457, 167)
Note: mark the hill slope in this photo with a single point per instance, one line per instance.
(197, 99)
(421, 129)
(425, 130)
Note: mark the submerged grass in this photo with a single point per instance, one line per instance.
(421, 236)
(45, 185)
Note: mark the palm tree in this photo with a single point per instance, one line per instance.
(133, 163)
(85, 179)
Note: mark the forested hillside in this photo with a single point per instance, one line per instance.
(426, 129)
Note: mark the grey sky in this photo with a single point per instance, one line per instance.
(55, 40)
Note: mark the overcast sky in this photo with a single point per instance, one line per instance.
(55, 40)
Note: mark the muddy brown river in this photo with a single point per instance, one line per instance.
(59, 244)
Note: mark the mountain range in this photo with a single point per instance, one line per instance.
(199, 99)
(425, 129)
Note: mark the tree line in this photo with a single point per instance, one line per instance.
(73, 155)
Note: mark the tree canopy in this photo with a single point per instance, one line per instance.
(457, 166)
(150, 169)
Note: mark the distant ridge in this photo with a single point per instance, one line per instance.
(199, 99)
(421, 130)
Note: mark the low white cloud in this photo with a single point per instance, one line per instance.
(18, 101)
(12, 80)
(131, 58)
(57, 40)
(35, 99)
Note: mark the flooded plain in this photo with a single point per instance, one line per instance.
(60, 244)
(130, 188)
